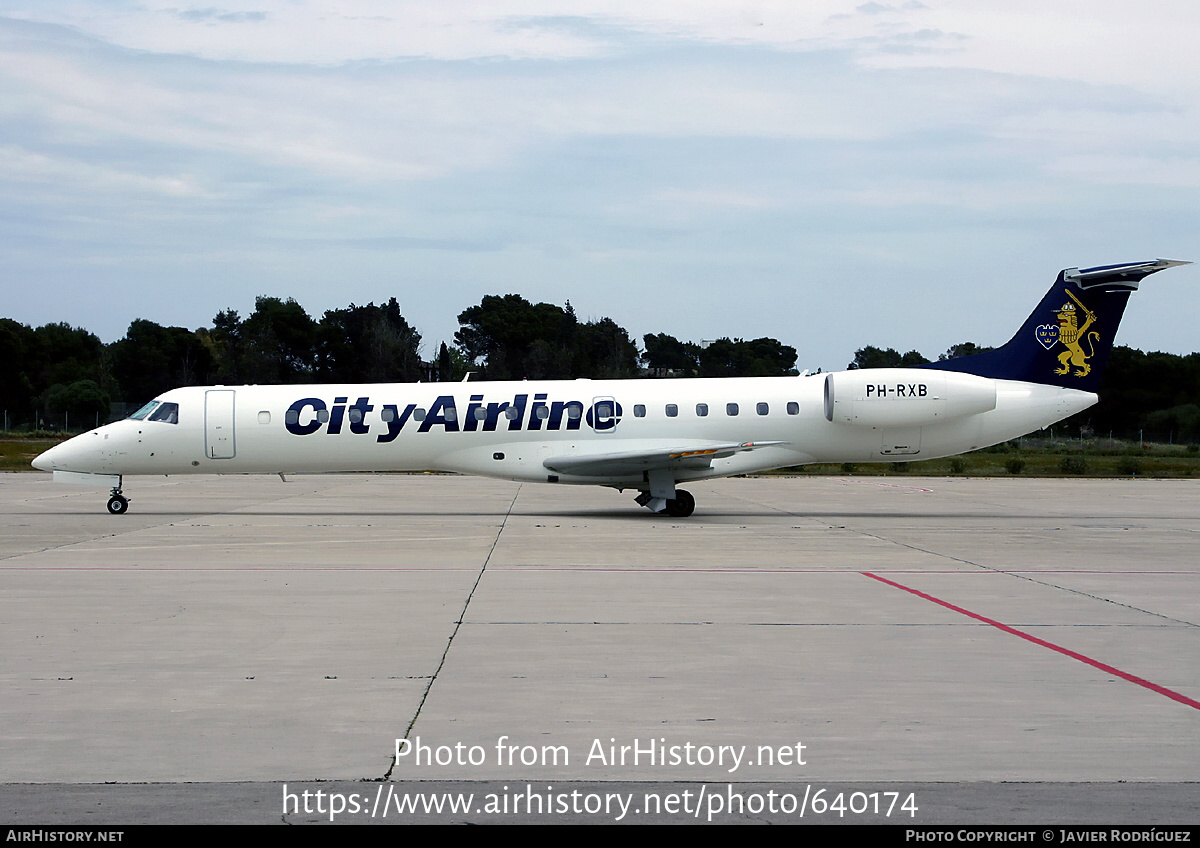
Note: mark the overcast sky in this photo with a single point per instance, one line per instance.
(829, 173)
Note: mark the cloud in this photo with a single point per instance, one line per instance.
(214, 14)
(1149, 43)
(463, 148)
(25, 166)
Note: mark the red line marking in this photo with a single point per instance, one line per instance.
(1124, 675)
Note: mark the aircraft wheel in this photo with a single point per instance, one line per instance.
(683, 504)
(118, 505)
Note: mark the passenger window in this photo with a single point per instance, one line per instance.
(355, 416)
(543, 412)
(604, 410)
(702, 409)
(388, 414)
(511, 413)
(731, 409)
(639, 410)
(574, 411)
(450, 413)
(323, 416)
(672, 410)
(264, 416)
(167, 412)
(762, 408)
(480, 414)
(292, 416)
(793, 408)
(418, 414)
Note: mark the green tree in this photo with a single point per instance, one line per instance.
(18, 347)
(511, 338)
(1181, 423)
(152, 359)
(873, 357)
(83, 400)
(280, 341)
(667, 356)
(228, 347)
(604, 350)
(66, 354)
(763, 357)
(962, 349)
(1138, 390)
(368, 344)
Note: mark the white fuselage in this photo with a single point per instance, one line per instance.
(510, 429)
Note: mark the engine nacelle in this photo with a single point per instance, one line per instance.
(905, 397)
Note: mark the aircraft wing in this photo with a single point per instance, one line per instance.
(691, 457)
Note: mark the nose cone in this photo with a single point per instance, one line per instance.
(45, 461)
(77, 454)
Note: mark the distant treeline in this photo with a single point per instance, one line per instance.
(57, 373)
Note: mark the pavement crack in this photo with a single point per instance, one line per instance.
(988, 568)
(1032, 579)
(457, 624)
(1100, 598)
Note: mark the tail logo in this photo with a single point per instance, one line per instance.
(1071, 335)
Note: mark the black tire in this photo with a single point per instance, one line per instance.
(682, 505)
(118, 505)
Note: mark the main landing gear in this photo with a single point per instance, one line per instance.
(661, 497)
(680, 506)
(118, 504)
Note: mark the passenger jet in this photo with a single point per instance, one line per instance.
(645, 435)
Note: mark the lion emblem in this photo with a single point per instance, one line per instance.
(1072, 335)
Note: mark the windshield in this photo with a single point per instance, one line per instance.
(144, 411)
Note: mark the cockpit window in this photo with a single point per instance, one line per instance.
(168, 412)
(144, 411)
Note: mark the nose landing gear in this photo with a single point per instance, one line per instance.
(118, 504)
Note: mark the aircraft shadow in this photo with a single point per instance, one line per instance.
(633, 513)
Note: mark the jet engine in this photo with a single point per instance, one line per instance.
(905, 397)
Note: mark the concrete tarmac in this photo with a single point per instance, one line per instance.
(940, 633)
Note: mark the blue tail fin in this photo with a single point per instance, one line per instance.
(1067, 339)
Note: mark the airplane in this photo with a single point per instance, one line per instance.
(647, 435)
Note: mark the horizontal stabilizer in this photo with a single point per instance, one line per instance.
(1128, 274)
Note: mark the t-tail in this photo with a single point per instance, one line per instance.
(1068, 337)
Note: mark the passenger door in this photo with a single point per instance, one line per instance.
(218, 424)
